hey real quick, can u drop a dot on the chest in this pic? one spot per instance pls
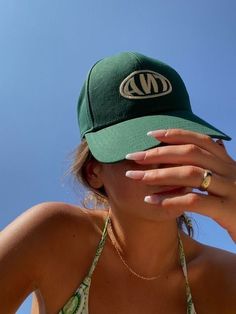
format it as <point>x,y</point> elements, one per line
<point>110,293</point>
<point>114,291</point>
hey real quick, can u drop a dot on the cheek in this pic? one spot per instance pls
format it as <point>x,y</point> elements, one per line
<point>121,189</point>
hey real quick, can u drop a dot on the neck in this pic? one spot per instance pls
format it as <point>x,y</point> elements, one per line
<point>149,248</point>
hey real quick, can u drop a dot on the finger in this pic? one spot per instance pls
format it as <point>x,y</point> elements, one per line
<point>188,154</point>
<point>180,136</point>
<point>207,205</point>
<point>221,143</point>
<point>184,176</point>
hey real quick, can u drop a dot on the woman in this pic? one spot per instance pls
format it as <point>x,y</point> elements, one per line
<point>134,256</point>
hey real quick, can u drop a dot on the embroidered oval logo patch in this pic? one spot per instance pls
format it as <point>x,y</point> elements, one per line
<point>145,84</point>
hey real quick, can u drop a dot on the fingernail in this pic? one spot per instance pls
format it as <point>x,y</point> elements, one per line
<point>136,156</point>
<point>157,133</point>
<point>136,174</point>
<point>153,199</point>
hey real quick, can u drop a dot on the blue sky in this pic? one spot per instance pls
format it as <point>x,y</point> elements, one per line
<point>46,50</point>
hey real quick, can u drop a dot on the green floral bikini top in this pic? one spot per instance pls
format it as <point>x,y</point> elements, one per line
<point>78,303</point>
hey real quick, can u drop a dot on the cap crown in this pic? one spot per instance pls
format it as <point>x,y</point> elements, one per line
<point>126,86</point>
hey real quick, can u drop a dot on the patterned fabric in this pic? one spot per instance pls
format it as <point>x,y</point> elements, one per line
<point>190,305</point>
<point>78,303</point>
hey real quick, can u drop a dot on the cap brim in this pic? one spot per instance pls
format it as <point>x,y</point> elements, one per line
<point>113,143</point>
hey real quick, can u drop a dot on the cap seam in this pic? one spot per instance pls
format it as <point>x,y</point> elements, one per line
<point>137,59</point>
<point>88,94</point>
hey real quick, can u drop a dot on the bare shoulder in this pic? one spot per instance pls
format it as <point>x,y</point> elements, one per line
<point>25,245</point>
<point>51,215</point>
<point>212,274</point>
<point>64,217</point>
<point>69,228</point>
<point>71,236</point>
<point>40,223</point>
<point>38,248</point>
<point>58,222</point>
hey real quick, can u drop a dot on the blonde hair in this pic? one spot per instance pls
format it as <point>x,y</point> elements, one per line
<point>98,198</point>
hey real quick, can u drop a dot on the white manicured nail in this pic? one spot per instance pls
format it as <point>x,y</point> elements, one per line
<point>135,174</point>
<point>157,133</point>
<point>136,156</point>
<point>152,199</point>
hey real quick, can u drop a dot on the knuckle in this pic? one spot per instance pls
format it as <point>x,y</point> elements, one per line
<point>149,176</point>
<point>151,153</point>
<point>207,139</point>
<point>154,152</point>
<point>192,149</point>
<point>192,199</point>
<point>174,132</point>
<point>192,171</point>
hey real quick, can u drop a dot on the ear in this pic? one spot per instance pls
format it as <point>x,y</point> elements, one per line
<point>93,173</point>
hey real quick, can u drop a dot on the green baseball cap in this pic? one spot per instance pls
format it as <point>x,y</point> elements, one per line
<point>127,95</point>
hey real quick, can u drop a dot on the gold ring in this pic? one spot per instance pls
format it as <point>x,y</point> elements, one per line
<point>206,180</point>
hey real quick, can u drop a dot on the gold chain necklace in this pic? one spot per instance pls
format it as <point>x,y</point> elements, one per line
<point>114,242</point>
